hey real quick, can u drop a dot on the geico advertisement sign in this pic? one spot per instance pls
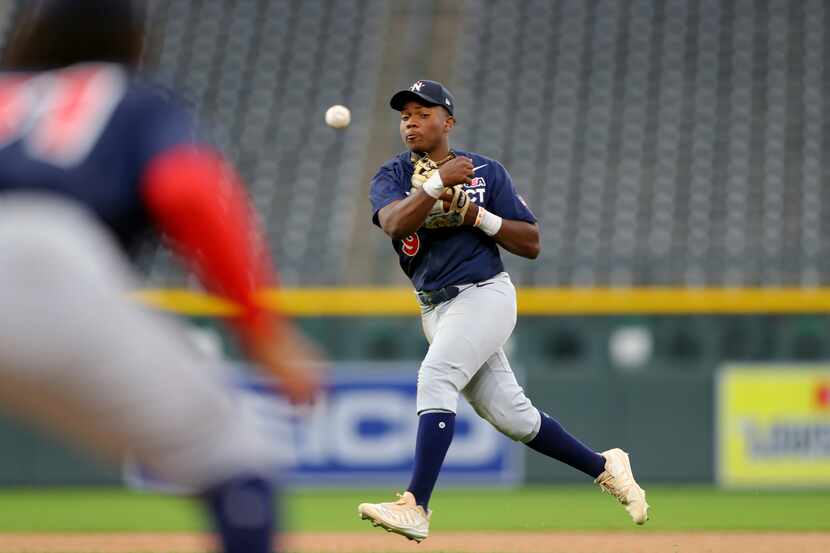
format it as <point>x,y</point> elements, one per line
<point>363,426</point>
<point>363,431</point>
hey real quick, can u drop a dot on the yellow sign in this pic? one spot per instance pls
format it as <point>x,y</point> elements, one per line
<point>774,426</point>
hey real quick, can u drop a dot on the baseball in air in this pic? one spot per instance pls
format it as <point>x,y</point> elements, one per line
<point>338,116</point>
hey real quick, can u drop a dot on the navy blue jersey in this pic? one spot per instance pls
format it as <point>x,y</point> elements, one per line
<point>434,258</point>
<point>87,133</point>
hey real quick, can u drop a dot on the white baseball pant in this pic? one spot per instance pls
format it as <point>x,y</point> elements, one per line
<point>77,356</point>
<point>466,355</point>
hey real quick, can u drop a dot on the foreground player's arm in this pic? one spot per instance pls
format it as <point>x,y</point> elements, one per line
<point>400,218</point>
<point>198,201</point>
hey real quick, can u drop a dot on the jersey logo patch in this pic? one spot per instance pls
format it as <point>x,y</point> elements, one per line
<point>476,190</point>
<point>411,245</point>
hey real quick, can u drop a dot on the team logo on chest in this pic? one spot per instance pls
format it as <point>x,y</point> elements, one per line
<point>411,245</point>
<point>476,189</point>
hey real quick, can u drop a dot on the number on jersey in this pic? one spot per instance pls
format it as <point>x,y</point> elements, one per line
<point>59,115</point>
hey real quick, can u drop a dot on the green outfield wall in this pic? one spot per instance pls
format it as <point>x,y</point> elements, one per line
<point>642,382</point>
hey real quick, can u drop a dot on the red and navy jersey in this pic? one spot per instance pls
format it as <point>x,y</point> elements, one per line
<point>435,258</point>
<point>128,152</point>
<point>88,133</point>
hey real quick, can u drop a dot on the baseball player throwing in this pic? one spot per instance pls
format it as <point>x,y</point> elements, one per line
<point>447,212</point>
<point>92,162</point>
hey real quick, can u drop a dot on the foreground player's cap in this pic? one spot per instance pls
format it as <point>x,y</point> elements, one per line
<point>429,92</point>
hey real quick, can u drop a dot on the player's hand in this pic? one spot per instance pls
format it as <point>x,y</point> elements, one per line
<point>292,360</point>
<point>458,170</point>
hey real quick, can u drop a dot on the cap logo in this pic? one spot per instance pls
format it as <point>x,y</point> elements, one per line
<point>417,86</point>
<point>447,101</point>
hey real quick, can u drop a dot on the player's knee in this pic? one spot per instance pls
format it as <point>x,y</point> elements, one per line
<point>519,420</point>
<point>438,388</point>
<point>533,422</point>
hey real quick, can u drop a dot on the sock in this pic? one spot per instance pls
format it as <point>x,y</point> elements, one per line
<point>435,432</point>
<point>243,514</point>
<point>554,441</point>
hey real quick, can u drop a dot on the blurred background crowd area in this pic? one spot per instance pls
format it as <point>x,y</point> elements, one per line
<point>659,142</point>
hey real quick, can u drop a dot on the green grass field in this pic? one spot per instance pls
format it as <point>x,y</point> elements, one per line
<point>529,509</point>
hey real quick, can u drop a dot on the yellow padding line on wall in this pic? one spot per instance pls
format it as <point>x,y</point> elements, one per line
<point>324,302</point>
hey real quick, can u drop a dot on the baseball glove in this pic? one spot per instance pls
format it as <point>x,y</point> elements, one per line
<point>449,210</point>
<point>424,167</point>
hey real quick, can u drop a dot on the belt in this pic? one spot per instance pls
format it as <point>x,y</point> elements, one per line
<point>434,297</point>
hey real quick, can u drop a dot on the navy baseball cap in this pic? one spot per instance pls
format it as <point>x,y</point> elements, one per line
<point>431,93</point>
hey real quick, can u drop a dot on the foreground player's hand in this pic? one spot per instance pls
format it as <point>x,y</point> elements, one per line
<point>293,361</point>
<point>458,170</point>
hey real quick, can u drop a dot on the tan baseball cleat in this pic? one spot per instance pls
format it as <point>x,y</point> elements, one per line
<point>404,517</point>
<point>618,480</point>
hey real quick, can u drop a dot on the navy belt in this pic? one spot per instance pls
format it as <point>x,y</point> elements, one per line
<point>434,297</point>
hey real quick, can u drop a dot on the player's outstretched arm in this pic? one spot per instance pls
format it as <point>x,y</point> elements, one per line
<point>198,201</point>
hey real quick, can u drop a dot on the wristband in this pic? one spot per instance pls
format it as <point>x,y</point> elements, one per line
<point>434,186</point>
<point>489,223</point>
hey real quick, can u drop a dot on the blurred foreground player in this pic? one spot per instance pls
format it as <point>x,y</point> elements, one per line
<point>91,163</point>
<point>447,212</point>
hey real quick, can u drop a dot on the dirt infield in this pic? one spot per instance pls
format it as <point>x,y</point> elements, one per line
<point>450,542</point>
